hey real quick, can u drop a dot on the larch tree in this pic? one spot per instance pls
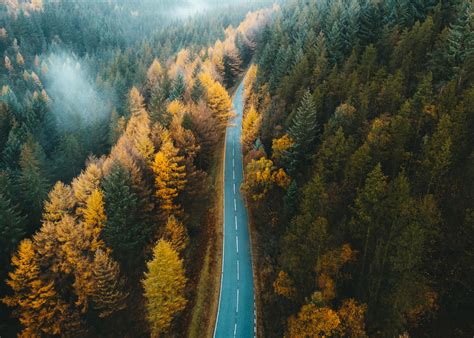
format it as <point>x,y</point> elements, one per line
<point>164,284</point>
<point>154,73</point>
<point>250,128</point>
<point>218,100</point>
<point>170,175</point>
<point>94,217</point>
<point>107,289</point>
<point>35,300</point>
<point>176,234</point>
<point>85,184</point>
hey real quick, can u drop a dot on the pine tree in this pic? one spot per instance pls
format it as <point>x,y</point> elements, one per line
<point>164,285</point>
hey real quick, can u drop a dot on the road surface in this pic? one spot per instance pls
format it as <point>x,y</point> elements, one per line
<point>236,312</point>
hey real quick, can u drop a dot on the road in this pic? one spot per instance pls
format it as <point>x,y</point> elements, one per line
<point>236,312</point>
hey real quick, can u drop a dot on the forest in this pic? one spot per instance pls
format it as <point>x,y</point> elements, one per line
<point>358,156</point>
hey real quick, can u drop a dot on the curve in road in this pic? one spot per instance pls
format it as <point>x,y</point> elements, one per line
<point>236,315</point>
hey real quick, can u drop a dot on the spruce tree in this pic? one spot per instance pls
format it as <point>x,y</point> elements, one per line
<point>304,132</point>
<point>124,231</point>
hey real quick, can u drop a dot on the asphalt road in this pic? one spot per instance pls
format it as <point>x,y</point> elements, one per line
<point>236,312</point>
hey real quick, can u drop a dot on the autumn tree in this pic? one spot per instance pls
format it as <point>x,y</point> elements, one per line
<point>250,128</point>
<point>260,176</point>
<point>35,300</point>
<point>170,176</point>
<point>218,100</point>
<point>107,285</point>
<point>176,234</point>
<point>164,284</point>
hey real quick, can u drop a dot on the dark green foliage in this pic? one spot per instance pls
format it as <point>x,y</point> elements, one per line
<point>178,89</point>
<point>125,231</point>
<point>304,132</point>
<point>197,91</point>
<point>389,172</point>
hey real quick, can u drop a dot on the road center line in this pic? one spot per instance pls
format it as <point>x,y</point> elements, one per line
<point>235,219</point>
<point>238,270</point>
<point>237,308</point>
<point>237,243</point>
<point>234,188</point>
<point>235,205</point>
<point>233,163</point>
<point>233,174</point>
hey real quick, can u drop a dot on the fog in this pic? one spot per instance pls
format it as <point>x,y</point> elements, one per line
<point>192,8</point>
<point>76,100</point>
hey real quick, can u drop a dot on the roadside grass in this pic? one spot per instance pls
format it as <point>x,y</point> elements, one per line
<point>203,314</point>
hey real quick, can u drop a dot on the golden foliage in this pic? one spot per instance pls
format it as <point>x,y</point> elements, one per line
<point>60,202</point>
<point>154,73</point>
<point>352,319</point>
<point>164,285</point>
<point>175,107</point>
<point>85,184</point>
<point>170,176</point>
<point>218,100</point>
<point>283,285</point>
<point>176,234</point>
<point>95,218</point>
<point>250,128</point>
<point>261,176</point>
<point>313,322</point>
<point>35,300</point>
<point>280,146</point>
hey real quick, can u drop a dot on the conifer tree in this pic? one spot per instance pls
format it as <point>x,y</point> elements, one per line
<point>33,179</point>
<point>176,234</point>
<point>60,202</point>
<point>107,285</point>
<point>250,128</point>
<point>170,175</point>
<point>125,230</point>
<point>35,300</point>
<point>179,87</point>
<point>304,132</point>
<point>164,284</point>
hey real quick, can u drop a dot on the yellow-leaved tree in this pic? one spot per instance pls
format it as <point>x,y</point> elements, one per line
<point>164,285</point>
<point>170,175</point>
<point>250,128</point>
<point>218,101</point>
<point>36,303</point>
<point>260,176</point>
<point>176,234</point>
